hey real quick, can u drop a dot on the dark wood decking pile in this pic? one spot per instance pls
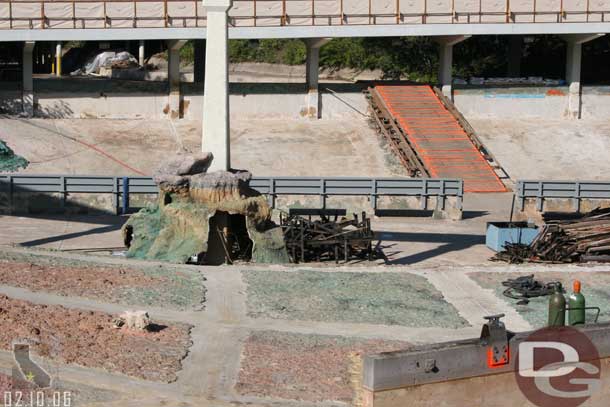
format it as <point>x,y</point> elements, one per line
<point>566,241</point>
<point>324,239</point>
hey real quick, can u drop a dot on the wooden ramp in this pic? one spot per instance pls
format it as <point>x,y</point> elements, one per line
<point>439,146</point>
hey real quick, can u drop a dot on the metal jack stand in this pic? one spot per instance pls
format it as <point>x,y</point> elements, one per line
<point>495,336</point>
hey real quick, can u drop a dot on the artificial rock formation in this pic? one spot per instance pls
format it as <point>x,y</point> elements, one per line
<point>138,320</point>
<point>177,228</point>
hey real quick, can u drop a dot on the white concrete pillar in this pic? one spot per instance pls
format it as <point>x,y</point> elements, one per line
<point>173,76</point>
<point>58,56</point>
<point>573,65</point>
<point>445,67</point>
<point>28,81</point>
<point>216,131</point>
<point>312,77</point>
<point>141,53</point>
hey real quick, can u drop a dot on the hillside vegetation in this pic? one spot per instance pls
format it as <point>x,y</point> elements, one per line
<point>416,58</point>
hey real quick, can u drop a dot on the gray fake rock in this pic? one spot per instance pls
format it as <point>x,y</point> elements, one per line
<point>185,164</point>
<point>172,183</point>
<point>173,174</point>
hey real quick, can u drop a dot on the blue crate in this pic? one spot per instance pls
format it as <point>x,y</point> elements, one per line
<point>500,233</point>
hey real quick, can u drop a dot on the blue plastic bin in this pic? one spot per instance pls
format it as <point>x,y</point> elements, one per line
<point>500,233</point>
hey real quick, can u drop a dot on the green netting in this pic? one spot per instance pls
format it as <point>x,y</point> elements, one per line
<point>268,247</point>
<point>9,161</point>
<point>173,233</point>
<point>179,230</point>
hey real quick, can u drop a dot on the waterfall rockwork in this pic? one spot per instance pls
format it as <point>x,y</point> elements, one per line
<point>177,227</point>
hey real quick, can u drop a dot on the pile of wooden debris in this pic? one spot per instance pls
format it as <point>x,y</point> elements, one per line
<point>324,239</point>
<point>583,239</point>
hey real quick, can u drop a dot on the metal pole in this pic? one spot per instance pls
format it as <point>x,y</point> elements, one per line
<point>125,195</point>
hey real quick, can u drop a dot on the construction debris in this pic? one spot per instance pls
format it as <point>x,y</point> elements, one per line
<point>107,60</point>
<point>582,239</point>
<point>324,239</point>
<point>525,287</point>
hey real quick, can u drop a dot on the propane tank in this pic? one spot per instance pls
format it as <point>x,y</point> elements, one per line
<point>557,307</point>
<point>576,306</point>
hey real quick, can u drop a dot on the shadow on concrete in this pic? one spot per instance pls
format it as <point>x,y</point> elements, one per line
<point>25,202</point>
<point>113,223</point>
<point>421,213</point>
<point>57,110</point>
<point>36,205</point>
<point>449,243</point>
<point>403,213</point>
<point>278,88</point>
<point>474,214</point>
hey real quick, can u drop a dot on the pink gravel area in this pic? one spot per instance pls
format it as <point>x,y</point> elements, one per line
<point>90,339</point>
<point>310,368</point>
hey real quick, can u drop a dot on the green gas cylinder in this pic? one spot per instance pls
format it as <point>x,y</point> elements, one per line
<point>576,306</point>
<point>557,307</point>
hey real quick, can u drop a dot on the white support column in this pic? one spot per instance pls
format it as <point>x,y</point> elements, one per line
<point>216,131</point>
<point>141,53</point>
<point>173,76</point>
<point>445,74</point>
<point>58,56</point>
<point>312,76</point>
<point>28,81</point>
<point>573,65</point>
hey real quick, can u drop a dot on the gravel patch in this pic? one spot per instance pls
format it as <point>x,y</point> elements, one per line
<point>595,287</point>
<point>374,298</point>
<point>158,286</point>
<point>305,367</point>
<point>6,383</point>
<point>89,339</point>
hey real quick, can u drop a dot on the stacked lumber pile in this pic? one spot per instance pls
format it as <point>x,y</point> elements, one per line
<point>324,239</point>
<point>566,241</point>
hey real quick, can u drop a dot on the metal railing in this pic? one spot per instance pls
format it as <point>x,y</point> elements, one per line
<point>122,187</point>
<point>573,190</point>
<point>371,187</point>
<point>83,14</point>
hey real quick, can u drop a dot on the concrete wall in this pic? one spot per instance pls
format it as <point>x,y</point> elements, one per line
<point>530,211</point>
<point>547,102</point>
<point>86,98</point>
<point>494,390</point>
<point>458,373</point>
<point>77,98</point>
